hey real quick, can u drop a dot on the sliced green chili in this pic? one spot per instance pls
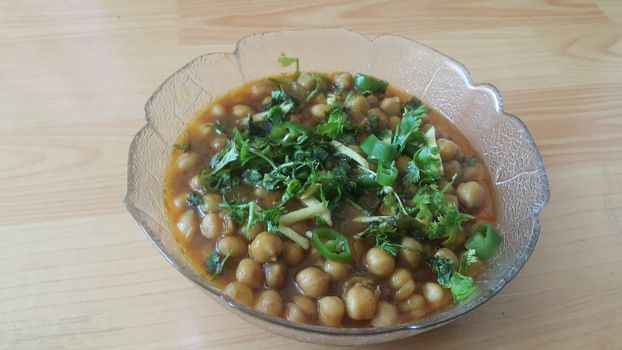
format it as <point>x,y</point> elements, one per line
<point>485,241</point>
<point>377,150</point>
<point>331,244</point>
<point>364,82</point>
<point>295,131</point>
<point>386,174</point>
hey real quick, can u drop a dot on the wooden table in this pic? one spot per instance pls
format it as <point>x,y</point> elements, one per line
<point>76,272</point>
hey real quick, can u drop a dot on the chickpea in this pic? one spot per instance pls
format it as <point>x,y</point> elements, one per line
<point>402,164</point>
<point>386,315</point>
<point>360,303</point>
<point>276,275</point>
<point>461,237</point>
<point>373,100</point>
<point>292,253</point>
<point>218,143</point>
<point>385,210</point>
<point>179,201</point>
<point>301,310</point>
<point>403,283</point>
<point>268,199</point>
<point>452,198</point>
<point>343,80</point>
<point>410,189</point>
<point>211,203</point>
<point>448,254</point>
<point>447,149</point>
<point>229,227</point>
<point>391,105</point>
<point>262,88</point>
<point>331,311</point>
<point>211,226</point>
<point>379,262</point>
<point>459,156</point>
<point>242,111</point>
<point>306,80</point>
<point>270,302</point>
<point>473,172</point>
<point>394,121</point>
<point>318,111</point>
<point>358,250</point>
<point>471,194</point>
<point>187,160</point>
<point>452,168</point>
<point>239,292</point>
<point>297,118</point>
<point>187,223</point>
<point>218,111</point>
<point>358,104</point>
<point>336,271</point>
<point>234,245</point>
<point>196,185</point>
<point>357,149</point>
<point>265,247</point>
<point>313,282</point>
<point>320,98</point>
<point>412,304</point>
<point>434,294</point>
<point>378,113</point>
<point>250,273</point>
<point>254,230</point>
<point>206,129</point>
<point>411,255</point>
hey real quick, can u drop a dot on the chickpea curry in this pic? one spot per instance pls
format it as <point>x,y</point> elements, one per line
<point>331,199</point>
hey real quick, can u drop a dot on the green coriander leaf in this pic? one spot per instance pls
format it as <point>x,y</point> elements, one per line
<point>285,61</point>
<point>316,90</point>
<point>214,264</point>
<point>194,199</point>
<point>220,128</point>
<point>443,269</point>
<point>462,287</point>
<point>336,123</point>
<point>237,209</point>
<point>409,127</point>
<point>294,188</point>
<point>269,217</point>
<point>224,157</point>
<point>413,174</point>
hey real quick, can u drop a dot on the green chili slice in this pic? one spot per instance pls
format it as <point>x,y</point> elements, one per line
<point>293,130</point>
<point>386,174</point>
<point>377,150</point>
<point>331,244</point>
<point>485,241</point>
<point>364,82</point>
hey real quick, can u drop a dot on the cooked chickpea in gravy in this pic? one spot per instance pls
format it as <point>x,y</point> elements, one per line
<point>332,199</point>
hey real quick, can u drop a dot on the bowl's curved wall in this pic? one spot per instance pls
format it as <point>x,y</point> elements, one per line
<point>503,141</point>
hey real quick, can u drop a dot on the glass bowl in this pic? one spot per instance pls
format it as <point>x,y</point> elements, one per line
<point>502,140</point>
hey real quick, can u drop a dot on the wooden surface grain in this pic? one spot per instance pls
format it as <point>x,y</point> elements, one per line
<point>76,272</point>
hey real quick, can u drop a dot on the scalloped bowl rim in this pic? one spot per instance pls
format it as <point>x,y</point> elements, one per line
<point>421,325</point>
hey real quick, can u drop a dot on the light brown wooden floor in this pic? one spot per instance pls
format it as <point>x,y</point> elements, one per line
<point>76,272</point>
